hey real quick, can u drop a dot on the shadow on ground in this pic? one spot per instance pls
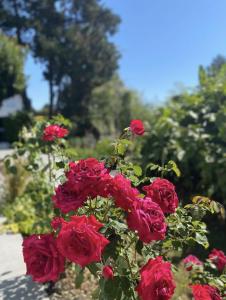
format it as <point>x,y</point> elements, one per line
<point>21,288</point>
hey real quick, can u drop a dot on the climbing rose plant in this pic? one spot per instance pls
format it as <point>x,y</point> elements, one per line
<point>123,226</point>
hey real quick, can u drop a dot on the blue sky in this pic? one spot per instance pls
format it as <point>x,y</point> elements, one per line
<point>162,43</point>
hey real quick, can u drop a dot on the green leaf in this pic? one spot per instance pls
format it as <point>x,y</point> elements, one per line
<point>137,170</point>
<point>60,164</point>
<point>202,240</point>
<point>173,166</point>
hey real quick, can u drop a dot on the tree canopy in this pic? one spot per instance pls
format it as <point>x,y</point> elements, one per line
<point>71,39</point>
<point>12,56</point>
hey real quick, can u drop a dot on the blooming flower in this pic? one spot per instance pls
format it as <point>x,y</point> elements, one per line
<point>52,132</point>
<point>191,260</point>
<point>156,281</point>
<point>89,175</point>
<point>147,218</point>
<point>79,240</point>
<point>43,260</point>
<point>218,258</point>
<point>205,292</point>
<point>137,127</point>
<point>68,198</point>
<point>163,192</point>
<point>121,190</point>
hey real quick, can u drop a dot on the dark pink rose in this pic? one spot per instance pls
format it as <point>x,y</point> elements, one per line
<point>190,261</point>
<point>137,127</point>
<point>42,258</point>
<point>52,132</point>
<point>205,292</point>
<point>218,258</point>
<point>79,240</point>
<point>121,190</point>
<point>163,192</point>
<point>156,281</point>
<point>147,219</point>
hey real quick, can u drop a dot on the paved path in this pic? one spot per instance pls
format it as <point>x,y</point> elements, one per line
<point>14,285</point>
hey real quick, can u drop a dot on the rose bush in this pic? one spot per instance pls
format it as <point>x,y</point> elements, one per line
<point>123,226</point>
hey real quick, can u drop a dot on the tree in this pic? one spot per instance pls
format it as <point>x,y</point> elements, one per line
<point>113,106</point>
<point>14,23</point>
<point>71,39</point>
<point>90,59</point>
<point>12,56</point>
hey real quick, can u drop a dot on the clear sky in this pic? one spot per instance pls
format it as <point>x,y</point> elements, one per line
<point>162,43</point>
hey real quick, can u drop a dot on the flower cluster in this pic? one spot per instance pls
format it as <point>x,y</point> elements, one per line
<point>205,291</point>
<point>82,235</point>
<point>217,257</point>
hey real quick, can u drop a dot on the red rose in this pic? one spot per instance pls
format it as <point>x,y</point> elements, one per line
<point>137,127</point>
<point>107,272</point>
<point>44,262</point>
<point>67,198</point>
<point>80,241</point>
<point>122,192</point>
<point>89,175</point>
<point>218,258</point>
<point>163,192</point>
<point>156,280</point>
<point>52,132</point>
<point>147,218</point>
<point>190,261</point>
<point>205,292</point>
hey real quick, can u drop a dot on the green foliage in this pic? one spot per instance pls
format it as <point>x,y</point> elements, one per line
<point>71,40</point>
<point>12,56</point>
<point>32,211</point>
<point>190,130</point>
<point>14,123</point>
<point>30,175</point>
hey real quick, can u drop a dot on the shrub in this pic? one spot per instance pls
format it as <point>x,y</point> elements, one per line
<point>107,223</point>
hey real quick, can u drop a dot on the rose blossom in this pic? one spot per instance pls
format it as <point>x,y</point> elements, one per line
<point>52,132</point>
<point>137,127</point>
<point>67,198</point>
<point>80,241</point>
<point>121,190</point>
<point>147,218</point>
<point>90,175</point>
<point>218,258</point>
<point>205,292</point>
<point>43,260</point>
<point>107,272</point>
<point>156,281</point>
<point>163,192</point>
<point>191,260</point>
